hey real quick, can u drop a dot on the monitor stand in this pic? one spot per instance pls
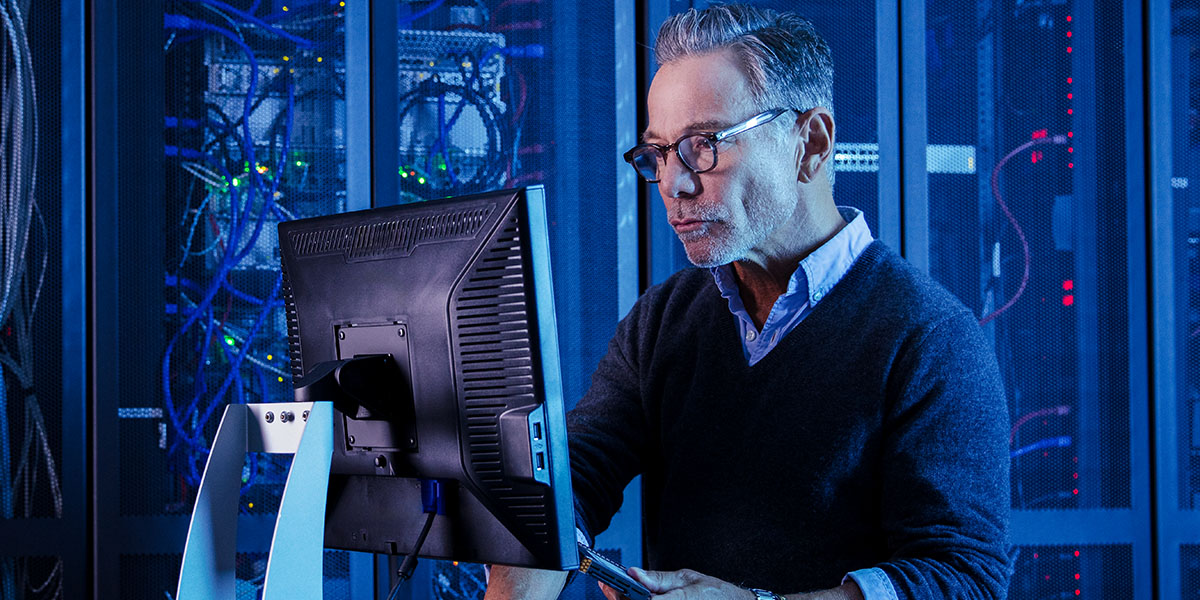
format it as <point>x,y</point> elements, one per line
<point>295,562</point>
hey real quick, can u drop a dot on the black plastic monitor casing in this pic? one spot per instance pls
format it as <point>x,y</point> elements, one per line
<point>458,294</point>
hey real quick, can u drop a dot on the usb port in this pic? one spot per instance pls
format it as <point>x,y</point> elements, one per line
<point>537,431</point>
<point>541,461</point>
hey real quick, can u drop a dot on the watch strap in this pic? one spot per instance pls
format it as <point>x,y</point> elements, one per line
<point>765,595</point>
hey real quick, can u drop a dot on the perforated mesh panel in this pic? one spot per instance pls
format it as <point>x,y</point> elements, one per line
<point>233,172</point>
<point>30,330</point>
<point>1185,183</point>
<point>1189,572</point>
<point>31,577</point>
<point>1072,572</point>
<point>1033,92</point>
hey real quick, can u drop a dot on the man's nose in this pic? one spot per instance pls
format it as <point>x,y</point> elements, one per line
<point>676,180</point>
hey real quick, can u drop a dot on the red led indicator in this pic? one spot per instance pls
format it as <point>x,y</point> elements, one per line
<point>1069,284</point>
<point>1076,592</point>
<point>1070,134</point>
<point>1068,18</point>
<point>1070,149</point>
<point>1039,134</point>
<point>1076,553</point>
<point>1075,475</point>
<point>1068,49</point>
<point>1035,555</point>
<point>1070,96</point>
<point>1047,578</point>
<point>1068,300</point>
<point>1070,165</point>
<point>1076,492</point>
<point>1077,576</point>
<point>1068,34</point>
<point>1070,80</point>
<point>1070,111</point>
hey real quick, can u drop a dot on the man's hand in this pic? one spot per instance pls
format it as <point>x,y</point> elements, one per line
<point>507,583</point>
<point>682,585</point>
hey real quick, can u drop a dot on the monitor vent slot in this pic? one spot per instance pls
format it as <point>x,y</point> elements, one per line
<point>496,370</point>
<point>397,237</point>
<point>293,325</point>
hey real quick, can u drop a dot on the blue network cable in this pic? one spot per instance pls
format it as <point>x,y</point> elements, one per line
<point>250,18</point>
<point>1054,442</point>
<point>408,19</point>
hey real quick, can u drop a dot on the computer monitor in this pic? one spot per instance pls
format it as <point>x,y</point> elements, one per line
<point>431,327</point>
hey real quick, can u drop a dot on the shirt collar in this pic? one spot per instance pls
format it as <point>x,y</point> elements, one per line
<point>819,271</point>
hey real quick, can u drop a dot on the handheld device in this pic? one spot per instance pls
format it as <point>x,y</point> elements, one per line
<point>612,574</point>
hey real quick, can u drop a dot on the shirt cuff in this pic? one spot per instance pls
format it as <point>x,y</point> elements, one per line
<point>874,583</point>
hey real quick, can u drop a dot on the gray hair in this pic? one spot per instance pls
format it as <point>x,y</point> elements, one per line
<point>786,62</point>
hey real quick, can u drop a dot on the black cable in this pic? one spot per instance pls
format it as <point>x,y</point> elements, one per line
<point>410,561</point>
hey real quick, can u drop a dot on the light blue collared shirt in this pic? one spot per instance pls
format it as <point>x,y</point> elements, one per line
<point>812,281</point>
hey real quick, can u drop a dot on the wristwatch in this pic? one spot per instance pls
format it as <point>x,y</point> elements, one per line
<point>765,595</point>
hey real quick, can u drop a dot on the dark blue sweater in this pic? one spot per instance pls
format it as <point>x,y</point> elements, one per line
<point>873,435</point>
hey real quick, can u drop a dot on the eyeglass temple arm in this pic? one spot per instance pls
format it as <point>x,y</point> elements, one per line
<point>754,121</point>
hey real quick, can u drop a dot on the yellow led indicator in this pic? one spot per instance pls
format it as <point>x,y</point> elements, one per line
<point>341,4</point>
<point>280,380</point>
<point>291,70</point>
<point>319,59</point>
<point>287,58</point>
<point>275,71</point>
<point>285,9</point>
<point>270,356</point>
<point>251,505</point>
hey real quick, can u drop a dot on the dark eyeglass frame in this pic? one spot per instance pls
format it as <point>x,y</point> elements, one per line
<point>712,137</point>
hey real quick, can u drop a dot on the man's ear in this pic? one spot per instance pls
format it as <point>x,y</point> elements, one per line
<point>817,139</point>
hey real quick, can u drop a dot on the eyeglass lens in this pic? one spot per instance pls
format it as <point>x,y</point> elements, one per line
<point>697,151</point>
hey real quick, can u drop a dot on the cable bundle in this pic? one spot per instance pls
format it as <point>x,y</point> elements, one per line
<point>19,293</point>
<point>205,305</point>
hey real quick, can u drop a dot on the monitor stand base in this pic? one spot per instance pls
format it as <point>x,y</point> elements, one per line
<point>296,559</point>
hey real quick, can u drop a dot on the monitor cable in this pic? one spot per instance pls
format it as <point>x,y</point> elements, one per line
<point>405,572</point>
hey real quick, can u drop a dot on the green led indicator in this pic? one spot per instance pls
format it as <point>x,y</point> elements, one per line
<point>299,164</point>
<point>235,183</point>
<point>421,180</point>
<point>229,340</point>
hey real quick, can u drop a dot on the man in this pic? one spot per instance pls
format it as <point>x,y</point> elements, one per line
<point>810,413</point>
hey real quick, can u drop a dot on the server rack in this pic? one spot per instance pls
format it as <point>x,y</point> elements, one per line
<point>42,451</point>
<point>214,120</point>
<point>1173,48</point>
<point>1045,241</point>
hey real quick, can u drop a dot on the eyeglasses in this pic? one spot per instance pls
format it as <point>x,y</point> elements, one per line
<point>697,151</point>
